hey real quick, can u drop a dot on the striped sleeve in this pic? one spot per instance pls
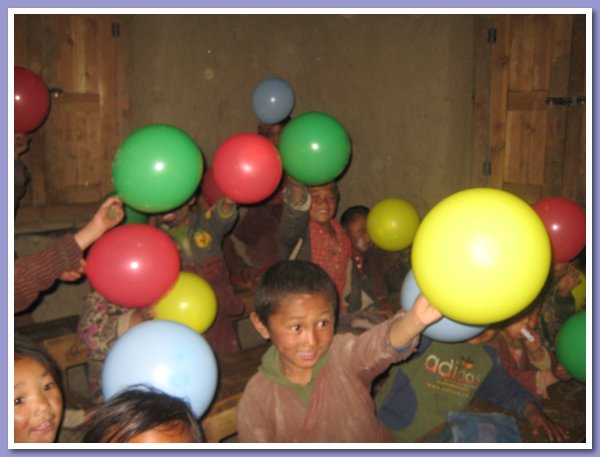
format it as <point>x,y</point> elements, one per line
<point>37,272</point>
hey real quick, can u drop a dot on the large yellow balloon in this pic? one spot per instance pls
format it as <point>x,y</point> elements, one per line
<point>191,301</point>
<point>392,224</point>
<point>481,256</point>
<point>578,291</point>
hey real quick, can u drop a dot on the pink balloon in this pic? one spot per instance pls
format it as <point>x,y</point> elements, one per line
<point>565,222</point>
<point>133,265</point>
<point>247,168</point>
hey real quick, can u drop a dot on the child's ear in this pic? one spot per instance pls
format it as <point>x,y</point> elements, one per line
<point>260,327</point>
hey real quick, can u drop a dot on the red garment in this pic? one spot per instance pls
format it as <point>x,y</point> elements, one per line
<point>331,254</point>
<point>525,372</point>
<point>222,335</point>
<point>37,272</point>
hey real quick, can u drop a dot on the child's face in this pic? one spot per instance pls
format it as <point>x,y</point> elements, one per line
<point>171,432</point>
<point>359,237</point>
<point>177,216</point>
<point>323,203</point>
<point>301,330</point>
<point>38,403</point>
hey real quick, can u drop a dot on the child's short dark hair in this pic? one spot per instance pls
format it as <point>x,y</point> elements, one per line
<point>290,277</point>
<point>334,189</point>
<point>353,213</point>
<point>26,348</point>
<point>135,411</point>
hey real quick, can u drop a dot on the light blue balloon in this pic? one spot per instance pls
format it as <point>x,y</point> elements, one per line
<point>445,330</point>
<point>167,356</point>
<point>273,100</point>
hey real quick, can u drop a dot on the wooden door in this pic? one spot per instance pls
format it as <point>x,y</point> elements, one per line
<point>83,61</point>
<point>529,105</point>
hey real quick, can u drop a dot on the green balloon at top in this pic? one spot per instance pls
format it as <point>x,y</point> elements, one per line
<point>157,168</point>
<point>314,148</point>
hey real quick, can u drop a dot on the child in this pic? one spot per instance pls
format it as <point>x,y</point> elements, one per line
<point>251,248</point>
<point>100,324</point>
<point>199,235</point>
<point>556,303</point>
<point>38,394</point>
<point>313,386</point>
<point>366,294</point>
<point>308,231</point>
<point>143,415</point>
<point>63,259</point>
<point>444,377</point>
<point>524,356</point>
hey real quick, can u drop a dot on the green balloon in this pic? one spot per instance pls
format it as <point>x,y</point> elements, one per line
<point>570,345</point>
<point>314,148</point>
<point>157,168</point>
<point>131,215</point>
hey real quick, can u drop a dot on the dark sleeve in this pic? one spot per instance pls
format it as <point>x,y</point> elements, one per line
<point>220,225</point>
<point>502,389</point>
<point>525,376</point>
<point>293,226</point>
<point>37,272</point>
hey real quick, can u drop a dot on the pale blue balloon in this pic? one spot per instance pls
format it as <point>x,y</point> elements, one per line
<point>167,356</point>
<point>273,100</point>
<point>445,330</point>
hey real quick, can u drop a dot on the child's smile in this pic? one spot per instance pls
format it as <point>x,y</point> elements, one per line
<point>302,330</point>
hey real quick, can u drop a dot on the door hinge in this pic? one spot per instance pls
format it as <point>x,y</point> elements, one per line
<point>491,35</point>
<point>116,29</point>
<point>487,167</point>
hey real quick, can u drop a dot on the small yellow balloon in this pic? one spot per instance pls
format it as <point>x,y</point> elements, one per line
<point>481,256</point>
<point>578,292</point>
<point>191,301</point>
<point>392,224</point>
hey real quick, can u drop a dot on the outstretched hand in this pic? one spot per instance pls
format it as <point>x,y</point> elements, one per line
<point>425,312</point>
<point>109,215</point>
<point>73,275</point>
<point>538,420</point>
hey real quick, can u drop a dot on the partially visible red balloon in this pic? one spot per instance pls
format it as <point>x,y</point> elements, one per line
<point>32,100</point>
<point>210,188</point>
<point>247,168</point>
<point>565,222</point>
<point>133,265</point>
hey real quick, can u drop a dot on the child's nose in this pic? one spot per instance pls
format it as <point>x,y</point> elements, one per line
<point>41,404</point>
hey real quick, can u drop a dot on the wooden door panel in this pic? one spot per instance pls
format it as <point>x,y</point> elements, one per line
<point>70,159</point>
<point>528,140</point>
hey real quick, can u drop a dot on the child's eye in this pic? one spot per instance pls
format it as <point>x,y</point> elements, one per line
<point>324,323</point>
<point>295,328</point>
<point>49,386</point>
<point>18,401</point>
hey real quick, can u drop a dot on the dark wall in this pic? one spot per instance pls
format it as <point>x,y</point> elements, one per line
<point>400,84</point>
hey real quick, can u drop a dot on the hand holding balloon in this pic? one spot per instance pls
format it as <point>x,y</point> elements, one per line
<point>444,330</point>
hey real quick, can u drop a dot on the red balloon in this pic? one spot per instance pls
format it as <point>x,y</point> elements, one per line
<point>247,168</point>
<point>210,189</point>
<point>565,222</point>
<point>133,265</point>
<point>32,100</point>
